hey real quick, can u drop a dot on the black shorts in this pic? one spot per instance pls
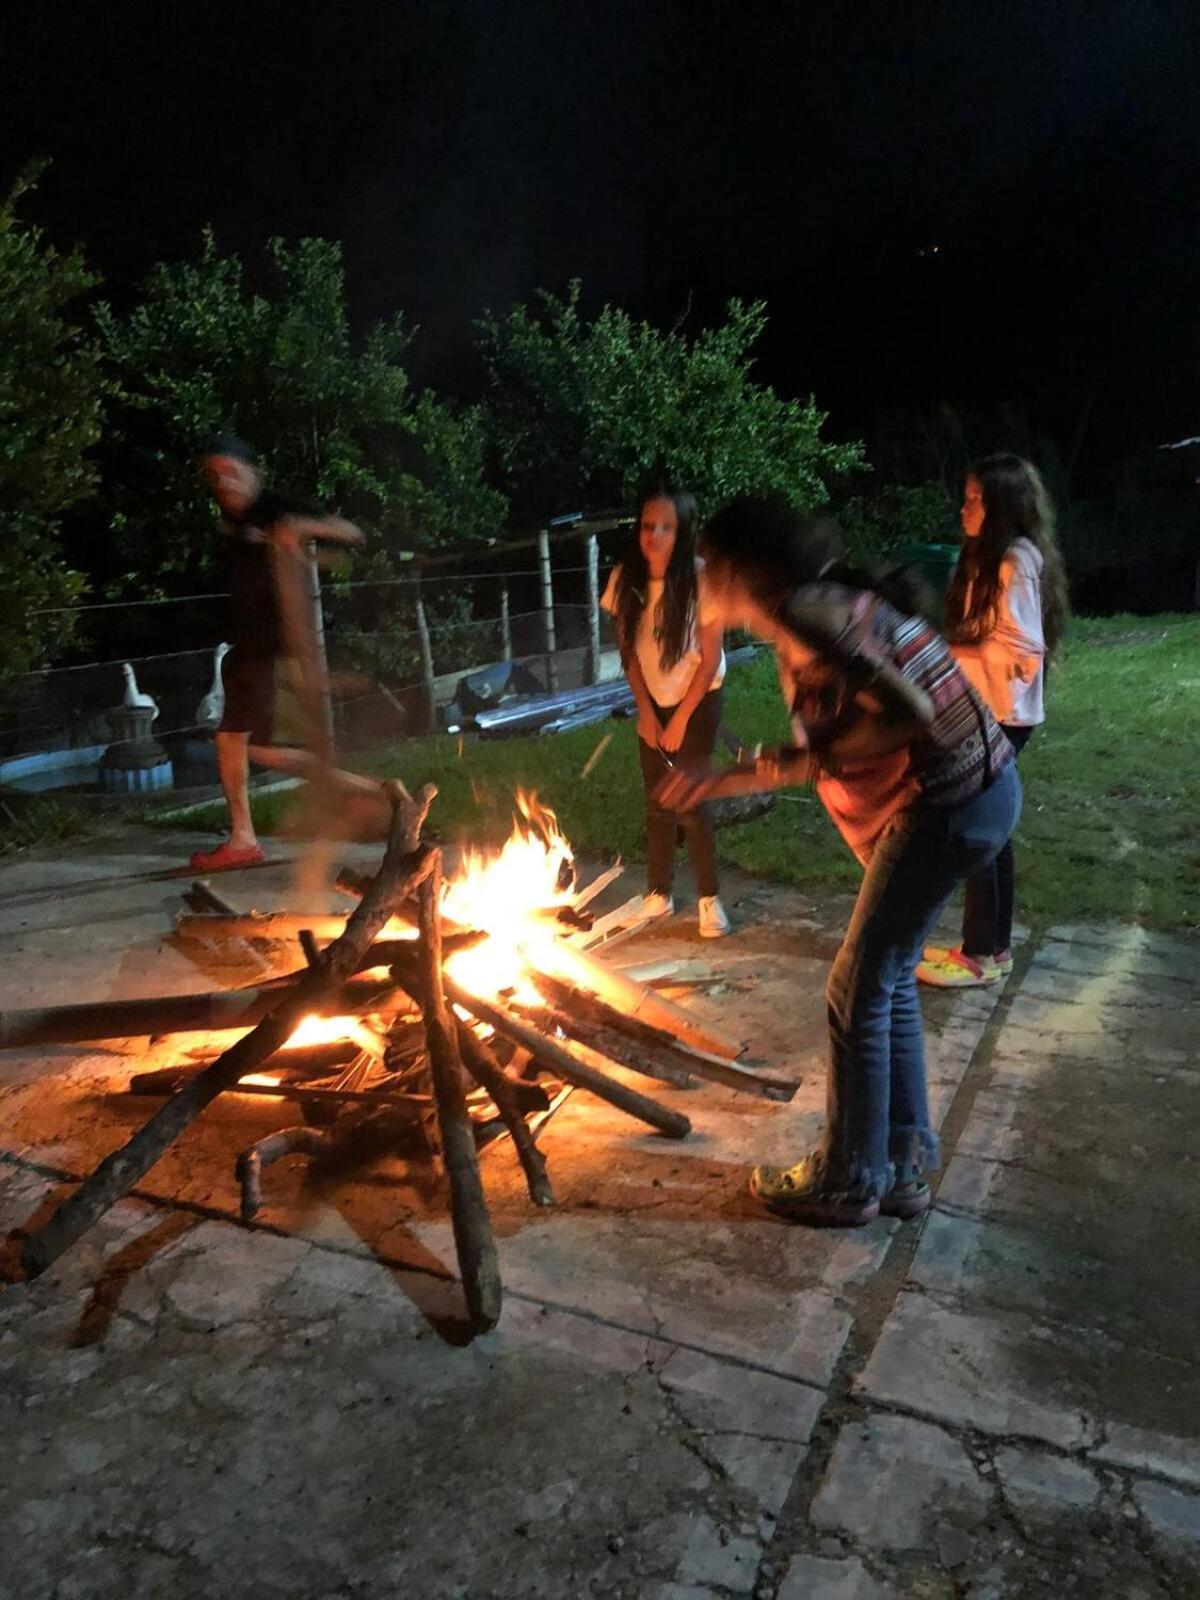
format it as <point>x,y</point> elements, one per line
<point>249,682</point>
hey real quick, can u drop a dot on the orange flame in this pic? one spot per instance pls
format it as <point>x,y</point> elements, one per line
<point>506,895</point>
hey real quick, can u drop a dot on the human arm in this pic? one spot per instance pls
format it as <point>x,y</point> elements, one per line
<point>299,527</point>
<point>779,768</point>
<point>711,638</point>
<point>648,726</point>
<point>647,719</point>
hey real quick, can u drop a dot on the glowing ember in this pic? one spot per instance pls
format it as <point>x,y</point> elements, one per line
<point>261,1080</point>
<point>506,895</point>
<point>332,1030</point>
<point>321,1030</point>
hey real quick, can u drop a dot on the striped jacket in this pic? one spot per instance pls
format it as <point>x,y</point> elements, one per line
<point>956,757</point>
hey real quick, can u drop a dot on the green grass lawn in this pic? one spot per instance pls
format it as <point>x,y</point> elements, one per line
<point>1111,827</point>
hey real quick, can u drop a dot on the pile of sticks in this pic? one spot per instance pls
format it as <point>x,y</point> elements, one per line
<point>423,1052</point>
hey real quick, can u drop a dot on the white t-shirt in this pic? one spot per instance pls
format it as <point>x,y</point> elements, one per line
<point>1008,667</point>
<point>668,685</point>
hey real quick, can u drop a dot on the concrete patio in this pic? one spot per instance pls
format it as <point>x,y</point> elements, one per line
<point>685,1399</point>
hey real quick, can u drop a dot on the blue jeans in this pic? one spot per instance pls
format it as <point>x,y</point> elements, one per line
<point>877,1122</point>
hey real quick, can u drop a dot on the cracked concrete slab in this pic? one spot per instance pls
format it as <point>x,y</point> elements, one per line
<point>684,1400</point>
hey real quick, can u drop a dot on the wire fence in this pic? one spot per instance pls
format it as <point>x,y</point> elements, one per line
<point>375,649</point>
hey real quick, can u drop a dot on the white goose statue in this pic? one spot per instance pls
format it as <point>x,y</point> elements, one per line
<point>211,709</point>
<point>134,696</point>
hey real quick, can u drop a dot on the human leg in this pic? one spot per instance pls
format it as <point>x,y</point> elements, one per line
<point>249,683</point>
<point>661,825</point>
<point>876,1100</point>
<point>696,751</point>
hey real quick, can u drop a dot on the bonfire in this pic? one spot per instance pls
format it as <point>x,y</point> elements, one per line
<point>436,1014</point>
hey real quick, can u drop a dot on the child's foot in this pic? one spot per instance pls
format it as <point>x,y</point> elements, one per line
<point>227,857</point>
<point>951,969</point>
<point>714,923</point>
<point>657,905</point>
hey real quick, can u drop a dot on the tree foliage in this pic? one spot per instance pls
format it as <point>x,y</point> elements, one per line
<point>584,412</point>
<point>51,408</point>
<point>876,523</point>
<point>202,351</point>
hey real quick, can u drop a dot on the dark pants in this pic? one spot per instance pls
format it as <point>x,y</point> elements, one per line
<point>663,827</point>
<point>877,1109</point>
<point>989,893</point>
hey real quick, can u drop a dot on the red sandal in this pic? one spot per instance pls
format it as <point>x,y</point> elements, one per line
<point>227,857</point>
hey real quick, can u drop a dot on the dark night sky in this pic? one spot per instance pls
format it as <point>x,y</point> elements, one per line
<point>671,155</point>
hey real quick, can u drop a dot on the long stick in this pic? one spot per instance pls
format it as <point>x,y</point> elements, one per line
<point>404,868</point>
<point>555,1056</point>
<point>213,1012</point>
<point>575,966</point>
<point>627,1039</point>
<point>487,1071</point>
<point>473,1238</point>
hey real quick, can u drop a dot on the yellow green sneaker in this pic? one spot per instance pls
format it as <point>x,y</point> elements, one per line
<point>1002,960</point>
<point>950,969</point>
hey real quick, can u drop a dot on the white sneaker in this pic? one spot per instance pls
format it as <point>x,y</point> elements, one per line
<point>657,905</point>
<point>714,923</point>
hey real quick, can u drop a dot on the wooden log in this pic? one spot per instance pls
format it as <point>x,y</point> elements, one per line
<point>287,1142</point>
<point>557,1058</point>
<point>622,922</point>
<point>307,1091</point>
<point>565,961</point>
<point>212,1012</point>
<point>509,1095</point>
<point>474,1243</point>
<point>300,1061</point>
<point>608,1043</point>
<point>591,1019</point>
<point>404,867</point>
<point>209,925</point>
<point>597,886</point>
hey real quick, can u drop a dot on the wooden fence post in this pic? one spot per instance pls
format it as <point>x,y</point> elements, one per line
<point>505,623</point>
<point>548,611</point>
<point>593,604</point>
<point>426,661</point>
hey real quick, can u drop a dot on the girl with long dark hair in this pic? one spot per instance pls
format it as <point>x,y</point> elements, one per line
<point>922,785</point>
<point>671,648</point>
<point>1005,615</point>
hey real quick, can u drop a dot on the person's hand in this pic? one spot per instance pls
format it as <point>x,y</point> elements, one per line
<point>648,728</point>
<point>682,790</point>
<point>673,734</point>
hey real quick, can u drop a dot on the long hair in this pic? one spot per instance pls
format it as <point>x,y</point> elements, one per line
<point>676,614</point>
<point>775,551</point>
<point>1015,506</point>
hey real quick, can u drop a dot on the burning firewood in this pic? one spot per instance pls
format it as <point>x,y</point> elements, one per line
<point>469,1214</point>
<point>555,1055</point>
<point>405,865</point>
<point>427,1014</point>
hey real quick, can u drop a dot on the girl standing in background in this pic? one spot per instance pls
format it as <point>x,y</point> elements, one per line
<point>670,641</point>
<point>1005,615</point>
